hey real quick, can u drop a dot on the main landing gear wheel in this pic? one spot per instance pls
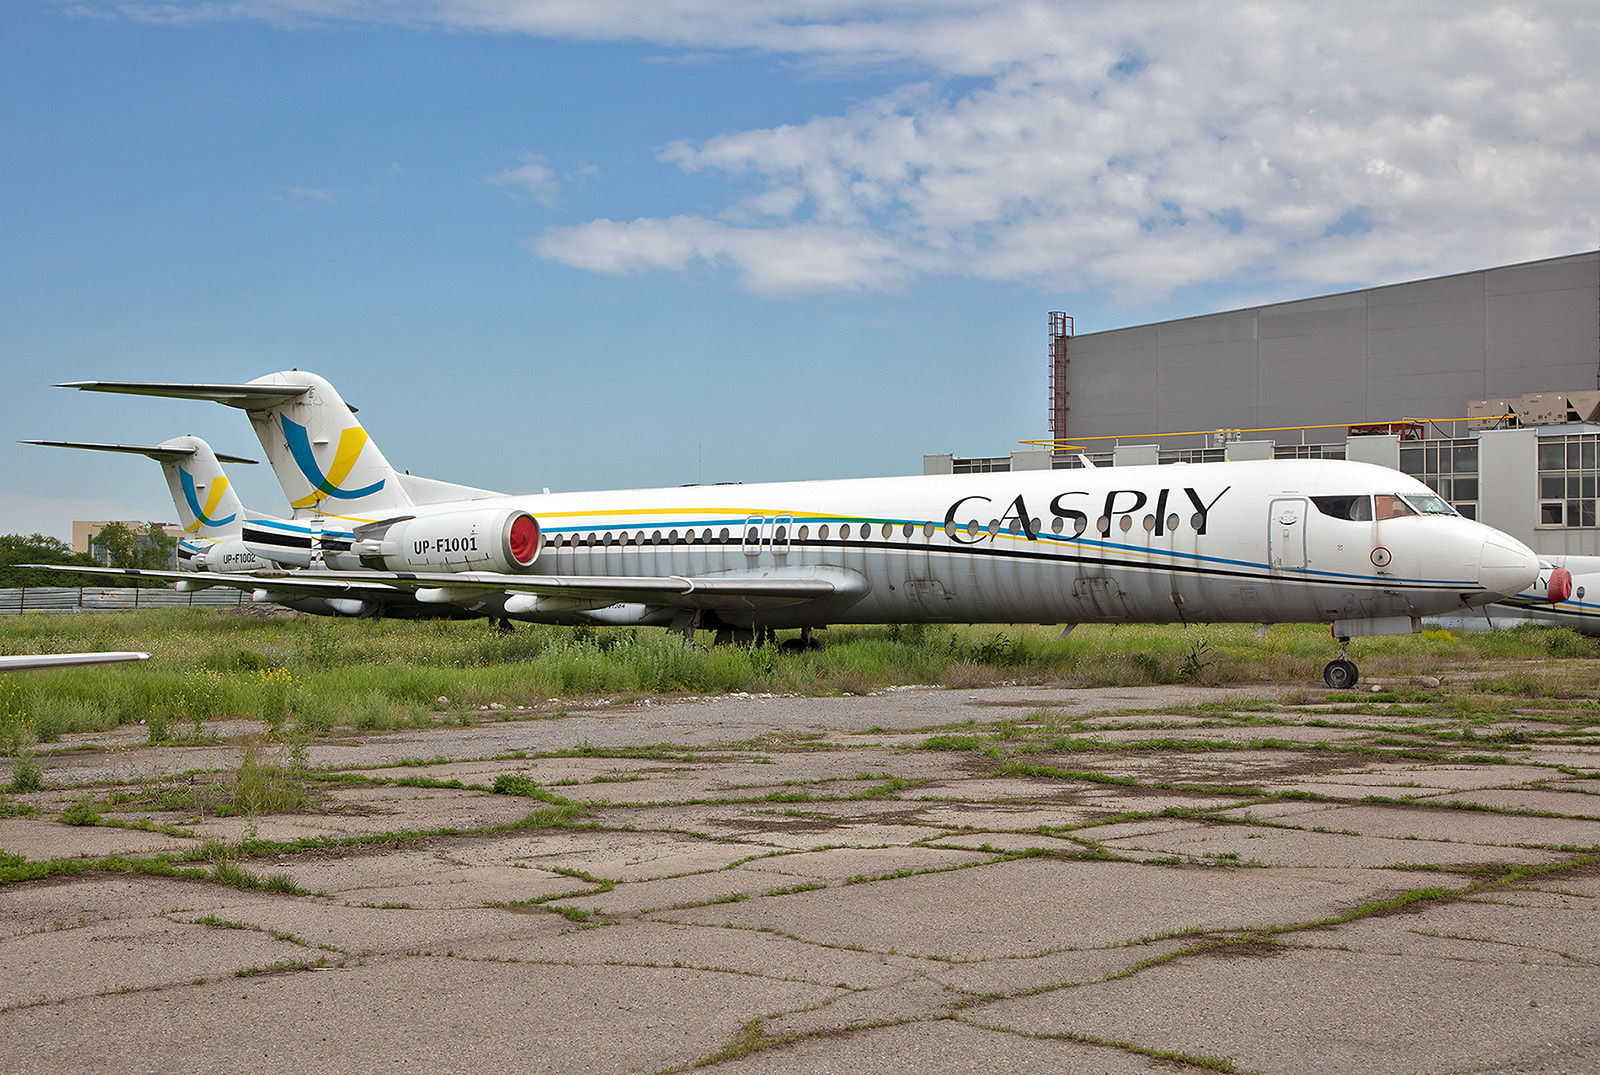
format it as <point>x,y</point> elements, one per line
<point>1341,674</point>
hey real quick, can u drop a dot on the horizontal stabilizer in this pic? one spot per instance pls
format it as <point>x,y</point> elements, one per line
<point>161,453</point>
<point>249,397</point>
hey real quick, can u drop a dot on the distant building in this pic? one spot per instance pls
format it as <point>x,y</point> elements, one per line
<point>1482,384</point>
<point>85,533</point>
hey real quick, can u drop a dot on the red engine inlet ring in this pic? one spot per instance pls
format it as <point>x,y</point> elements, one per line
<point>523,541</point>
<point>1560,585</point>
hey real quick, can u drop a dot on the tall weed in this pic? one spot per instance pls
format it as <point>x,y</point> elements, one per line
<point>313,675</point>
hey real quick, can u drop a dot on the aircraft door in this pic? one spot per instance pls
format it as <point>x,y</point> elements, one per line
<point>755,534</point>
<point>772,533</point>
<point>1286,533</point>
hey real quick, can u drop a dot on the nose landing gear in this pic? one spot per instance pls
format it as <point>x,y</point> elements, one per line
<point>1341,673</point>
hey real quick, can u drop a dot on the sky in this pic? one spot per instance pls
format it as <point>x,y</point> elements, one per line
<point>589,244</point>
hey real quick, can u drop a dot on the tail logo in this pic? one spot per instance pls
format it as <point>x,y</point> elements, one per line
<point>351,441</point>
<point>202,516</point>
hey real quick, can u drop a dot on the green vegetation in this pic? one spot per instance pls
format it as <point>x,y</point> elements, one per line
<point>146,547</point>
<point>309,676</point>
<point>41,549</point>
<point>263,787</point>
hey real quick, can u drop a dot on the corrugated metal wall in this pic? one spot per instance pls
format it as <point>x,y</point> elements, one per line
<point>1412,350</point>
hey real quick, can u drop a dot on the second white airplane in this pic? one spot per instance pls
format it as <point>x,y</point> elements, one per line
<point>1363,548</point>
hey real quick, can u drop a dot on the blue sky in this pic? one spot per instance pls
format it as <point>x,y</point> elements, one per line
<point>632,243</point>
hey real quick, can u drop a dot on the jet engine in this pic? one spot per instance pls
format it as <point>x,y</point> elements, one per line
<point>493,539</point>
<point>230,555</point>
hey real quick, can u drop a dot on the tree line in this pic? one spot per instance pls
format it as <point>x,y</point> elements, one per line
<point>147,547</point>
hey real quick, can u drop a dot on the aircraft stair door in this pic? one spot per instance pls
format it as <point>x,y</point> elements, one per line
<point>1286,534</point>
<point>757,532</point>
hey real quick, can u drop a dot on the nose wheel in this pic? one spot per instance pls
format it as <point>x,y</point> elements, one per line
<point>1341,673</point>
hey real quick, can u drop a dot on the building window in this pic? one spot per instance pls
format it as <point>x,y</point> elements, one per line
<point>989,465</point>
<point>1448,467</point>
<point>1192,455</point>
<point>1568,476</point>
<point>1308,451</point>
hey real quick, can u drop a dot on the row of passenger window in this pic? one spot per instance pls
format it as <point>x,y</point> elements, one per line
<point>781,535</point>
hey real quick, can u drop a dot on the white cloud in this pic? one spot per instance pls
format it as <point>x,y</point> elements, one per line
<point>793,259</point>
<point>954,34</point>
<point>1129,148</point>
<point>1170,147</point>
<point>533,178</point>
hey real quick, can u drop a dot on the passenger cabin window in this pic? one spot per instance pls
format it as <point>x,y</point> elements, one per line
<point>1355,508</point>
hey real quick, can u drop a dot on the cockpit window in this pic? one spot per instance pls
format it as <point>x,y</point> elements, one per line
<point>1391,506</point>
<point>1356,508</point>
<point>1429,504</point>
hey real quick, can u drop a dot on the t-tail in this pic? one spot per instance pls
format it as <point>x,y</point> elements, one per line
<point>208,508</point>
<point>322,456</point>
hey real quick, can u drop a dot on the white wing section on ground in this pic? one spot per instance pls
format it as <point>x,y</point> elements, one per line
<point>67,660</point>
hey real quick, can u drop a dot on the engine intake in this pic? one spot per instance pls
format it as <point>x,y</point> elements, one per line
<point>504,539</point>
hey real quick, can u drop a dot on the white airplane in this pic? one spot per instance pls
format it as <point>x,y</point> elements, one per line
<point>1364,548</point>
<point>208,509</point>
<point>222,536</point>
<point>67,660</point>
<point>1559,596</point>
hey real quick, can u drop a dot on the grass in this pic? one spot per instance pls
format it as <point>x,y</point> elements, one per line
<point>263,787</point>
<point>311,676</point>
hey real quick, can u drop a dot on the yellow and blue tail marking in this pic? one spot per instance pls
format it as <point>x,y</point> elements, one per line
<point>202,516</point>
<point>351,441</point>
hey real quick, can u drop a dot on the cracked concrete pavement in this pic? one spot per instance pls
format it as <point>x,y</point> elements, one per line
<point>1140,879</point>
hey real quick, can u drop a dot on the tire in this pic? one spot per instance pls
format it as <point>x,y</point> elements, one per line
<point>1341,674</point>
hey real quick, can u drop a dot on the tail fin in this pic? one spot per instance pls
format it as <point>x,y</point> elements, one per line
<point>320,453</point>
<point>207,506</point>
<point>322,456</point>
<point>205,501</point>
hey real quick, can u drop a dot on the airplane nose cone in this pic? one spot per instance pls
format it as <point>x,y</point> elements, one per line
<point>1506,566</point>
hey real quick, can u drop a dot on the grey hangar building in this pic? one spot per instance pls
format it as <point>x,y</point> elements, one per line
<point>1484,384</point>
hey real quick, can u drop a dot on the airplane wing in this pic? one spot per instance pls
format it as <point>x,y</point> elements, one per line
<point>724,592</point>
<point>159,452</point>
<point>67,660</point>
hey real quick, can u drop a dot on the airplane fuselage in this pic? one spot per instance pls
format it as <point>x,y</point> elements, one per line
<point>1187,543</point>
<point>1364,548</point>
